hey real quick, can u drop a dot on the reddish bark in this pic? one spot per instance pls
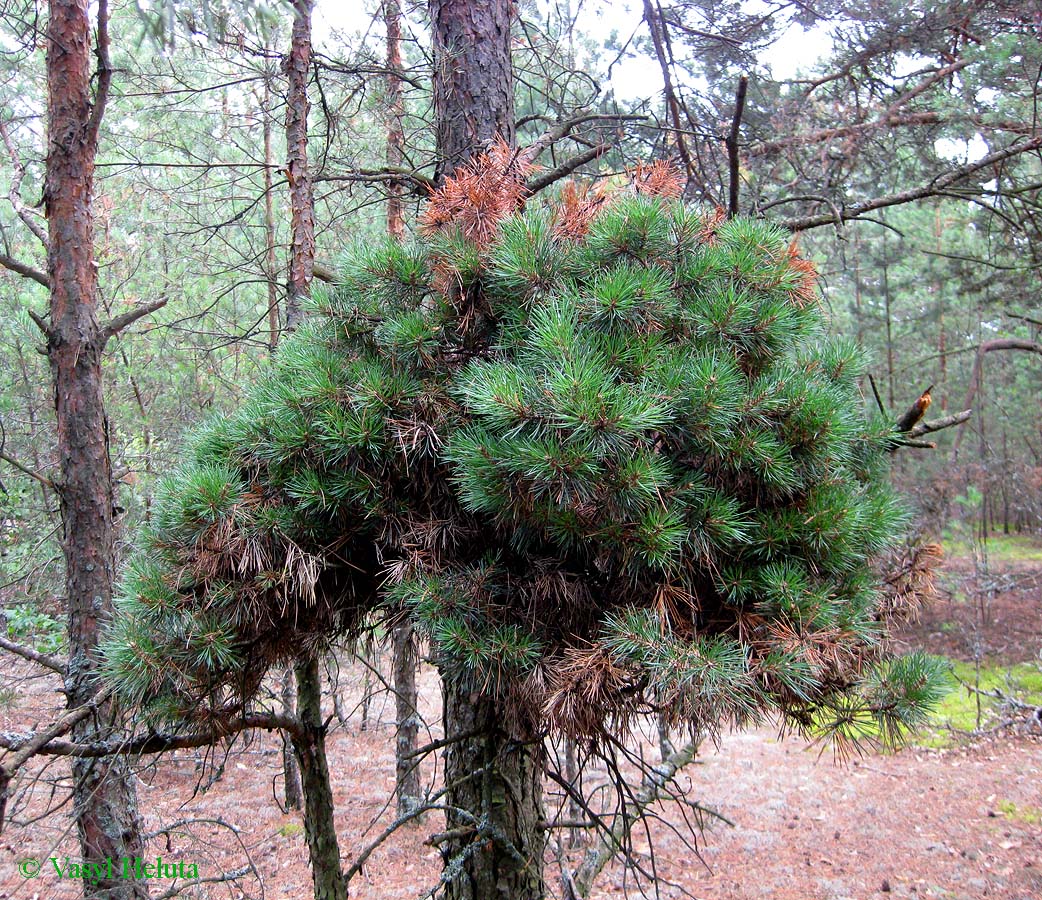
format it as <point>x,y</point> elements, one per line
<point>270,263</point>
<point>301,192</point>
<point>104,801</point>
<point>395,112</point>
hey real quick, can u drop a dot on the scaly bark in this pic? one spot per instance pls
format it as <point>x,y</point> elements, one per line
<point>104,801</point>
<point>310,747</point>
<point>407,720</point>
<point>301,192</point>
<point>270,263</point>
<point>473,79</point>
<point>395,112</point>
<point>494,843</point>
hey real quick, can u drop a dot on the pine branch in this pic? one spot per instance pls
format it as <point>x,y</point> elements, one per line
<point>48,662</point>
<point>45,744</point>
<point>26,271</point>
<point>116,325</point>
<point>534,185</point>
<point>25,470</point>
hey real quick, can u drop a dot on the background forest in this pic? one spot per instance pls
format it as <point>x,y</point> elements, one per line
<point>247,151</point>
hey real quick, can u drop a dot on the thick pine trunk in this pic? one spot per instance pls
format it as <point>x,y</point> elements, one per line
<point>310,747</point>
<point>494,843</point>
<point>104,801</point>
<point>301,194</point>
<point>473,78</point>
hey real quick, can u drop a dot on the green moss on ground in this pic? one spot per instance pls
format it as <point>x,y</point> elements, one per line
<point>957,709</point>
<point>1001,548</point>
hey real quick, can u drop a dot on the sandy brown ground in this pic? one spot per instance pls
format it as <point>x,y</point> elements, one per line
<point>957,823</point>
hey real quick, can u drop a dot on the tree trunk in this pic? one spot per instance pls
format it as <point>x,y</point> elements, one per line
<point>473,78</point>
<point>301,195</point>
<point>395,112</point>
<point>494,841</point>
<point>104,800</point>
<point>310,746</point>
<point>493,844</point>
<point>270,264</point>
<point>977,374</point>
<point>292,789</point>
<point>407,725</point>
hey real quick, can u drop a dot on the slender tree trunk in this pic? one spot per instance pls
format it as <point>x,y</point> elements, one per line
<point>576,836</point>
<point>403,641</point>
<point>301,194</point>
<point>407,725</point>
<point>942,339</point>
<point>473,78</point>
<point>495,794</point>
<point>310,747</point>
<point>292,789</point>
<point>104,801</point>
<point>395,112</point>
<point>494,848</point>
<point>270,262</point>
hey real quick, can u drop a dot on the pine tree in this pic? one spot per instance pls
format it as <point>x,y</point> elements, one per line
<point>602,454</point>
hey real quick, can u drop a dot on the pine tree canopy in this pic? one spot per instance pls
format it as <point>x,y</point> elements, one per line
<point>603,453</point>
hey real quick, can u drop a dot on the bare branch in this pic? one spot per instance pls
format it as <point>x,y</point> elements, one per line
<point>104,75</point>
<point>597,857</point>
<point>659,36</point>
<point>141,744</point>
<point>42,659</point>
<point>534,185</point>
<point>421,184</point>
<point>183,886</point>
<point>560,130</point>
<point>978,367</point>
<point>116,325</point>
<point>25,470</point>
<point>14,193</point>
<point>35,743</point>
<point>41,322</point>
<point>940,424</point>
<point>731,143</point>
<point>24,270</point>
<point>932,188</point>
<point>324,273</point>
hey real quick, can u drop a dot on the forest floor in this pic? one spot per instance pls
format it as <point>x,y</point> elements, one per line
<point>947,817</point>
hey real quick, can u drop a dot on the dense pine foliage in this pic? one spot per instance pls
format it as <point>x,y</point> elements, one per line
<point>604,454</point>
